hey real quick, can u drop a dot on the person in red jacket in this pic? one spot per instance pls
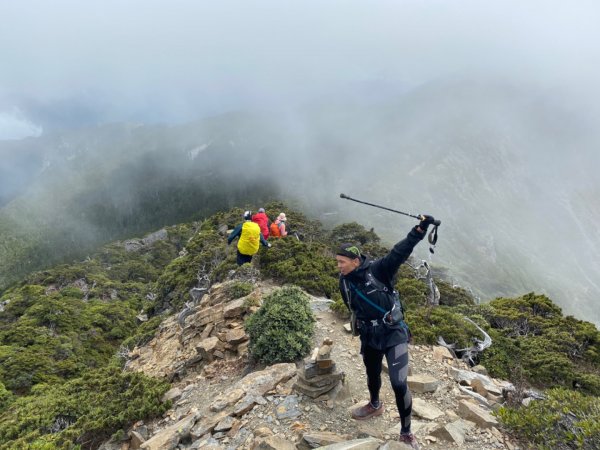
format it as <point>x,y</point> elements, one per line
<point>262,220</point>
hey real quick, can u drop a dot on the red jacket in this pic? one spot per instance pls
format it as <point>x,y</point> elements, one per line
<point>263,222</point>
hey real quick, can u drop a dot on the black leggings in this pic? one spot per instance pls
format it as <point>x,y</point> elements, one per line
<point>243,259</point>
<point>397,359</point>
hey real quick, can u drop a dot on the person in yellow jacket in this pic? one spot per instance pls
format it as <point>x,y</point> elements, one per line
<point>250,239</point>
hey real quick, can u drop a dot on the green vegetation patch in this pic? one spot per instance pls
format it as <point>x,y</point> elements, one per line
<point>239,289</point>
<point>426,324</point>
<point>354,233</point>
<point>58,337</point>
<point>552,349</point>
<point>564,420</point>
<point>82,412</point>
<point>206,251</point>
<point>453,296</point>
<point>308,265</point>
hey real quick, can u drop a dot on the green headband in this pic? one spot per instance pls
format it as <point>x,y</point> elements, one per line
<point>349,250</point>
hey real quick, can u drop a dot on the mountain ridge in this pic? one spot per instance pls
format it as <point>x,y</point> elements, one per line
<point>67,332</point>
<point>514,201</point>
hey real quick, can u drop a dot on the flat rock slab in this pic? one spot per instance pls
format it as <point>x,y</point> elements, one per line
<point>168,438</point>
<point>425,409</point>
<point>321,439</point>
<point>357,444</point>
<point>422,383</point>
<point>274,443</point>
<point>454,432</point>
<point>474,413</point>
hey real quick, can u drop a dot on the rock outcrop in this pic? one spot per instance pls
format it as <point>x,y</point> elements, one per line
<point>290,406</point>
<point>213,330</point>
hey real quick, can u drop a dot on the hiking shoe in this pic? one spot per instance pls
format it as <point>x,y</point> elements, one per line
<point>367,411</point>
<point>410,439</point>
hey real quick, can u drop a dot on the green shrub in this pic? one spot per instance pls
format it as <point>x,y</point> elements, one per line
<point>144,333</point>
<point>230,218</point>
<point>6,397</point>
<point>206,251</point>
<point>553,350</point>
<point>501,358</point>
<point>20,299</point>
<point>339,307</point>
<point>58,337</point>
<point>282,328</point>
<point>453,296</point>
<point>251,301</point>
<point>426,324</point>
<point>308,265</point>
<point>564,420</point>
<point>225,267</point>
<point>413,292</point>
<point>134,271</point>
<point>239,289</point>
<point>589,382</point>
<point>354,233</point>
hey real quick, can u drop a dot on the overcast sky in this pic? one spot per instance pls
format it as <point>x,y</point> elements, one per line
<point>70,63</point>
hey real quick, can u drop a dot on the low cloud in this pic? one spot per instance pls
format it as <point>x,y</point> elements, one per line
<point>13,125</point>
<point>151,62</point>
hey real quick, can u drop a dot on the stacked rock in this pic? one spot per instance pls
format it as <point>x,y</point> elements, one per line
<point>318,375</point>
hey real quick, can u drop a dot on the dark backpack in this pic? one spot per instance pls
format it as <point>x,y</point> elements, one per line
<point>373,287</point>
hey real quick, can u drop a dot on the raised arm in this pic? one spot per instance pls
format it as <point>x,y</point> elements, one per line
<point>235,233</point>
<point>385,268</point>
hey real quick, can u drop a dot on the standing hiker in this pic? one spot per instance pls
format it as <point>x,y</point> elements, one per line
<point>278,228</point>
<point>250,238</point>
<point>262,220</point>
<point>378,319</point>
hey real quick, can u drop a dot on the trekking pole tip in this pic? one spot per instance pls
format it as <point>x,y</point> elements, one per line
<point>343,196</point>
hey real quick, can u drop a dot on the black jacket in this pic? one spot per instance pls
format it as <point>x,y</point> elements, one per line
<point>383,269</point>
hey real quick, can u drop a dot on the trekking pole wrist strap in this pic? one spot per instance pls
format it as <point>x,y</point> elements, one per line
<point>433,235</point>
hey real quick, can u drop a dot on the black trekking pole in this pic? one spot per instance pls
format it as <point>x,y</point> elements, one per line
<point>432,238</point>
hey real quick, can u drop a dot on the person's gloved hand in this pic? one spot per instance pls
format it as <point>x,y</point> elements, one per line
<point>425,222</point>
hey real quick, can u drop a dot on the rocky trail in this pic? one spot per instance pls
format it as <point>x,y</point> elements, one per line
<point>219,402</point>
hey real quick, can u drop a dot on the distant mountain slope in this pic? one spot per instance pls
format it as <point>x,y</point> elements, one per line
<point>510,171</point>
<point>116,181</point>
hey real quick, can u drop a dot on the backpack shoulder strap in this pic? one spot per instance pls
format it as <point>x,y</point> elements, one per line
<point>383,287</point>
<point>375,282</point>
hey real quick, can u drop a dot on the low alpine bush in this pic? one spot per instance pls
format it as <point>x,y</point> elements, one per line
<point>564,420</point>
<point>282,328</point>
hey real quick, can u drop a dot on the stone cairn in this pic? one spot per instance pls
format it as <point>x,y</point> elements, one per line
<point>318,375</point>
